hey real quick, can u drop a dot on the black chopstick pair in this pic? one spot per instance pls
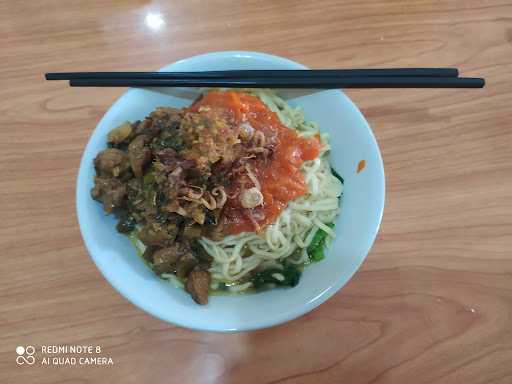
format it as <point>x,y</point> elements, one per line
<point>319,79</point>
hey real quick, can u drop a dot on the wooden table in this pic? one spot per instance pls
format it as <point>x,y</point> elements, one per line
<point>433,301</point>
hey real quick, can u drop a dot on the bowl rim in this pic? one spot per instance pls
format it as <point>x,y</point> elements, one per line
<point>284,317</point>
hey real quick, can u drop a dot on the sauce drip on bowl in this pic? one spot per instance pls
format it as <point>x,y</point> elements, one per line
<point>278,174</point>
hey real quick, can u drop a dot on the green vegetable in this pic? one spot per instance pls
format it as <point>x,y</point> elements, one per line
<point>151,197</point>
<point>150,194</point>
<point>316,247</point>
<point>337,175</point>
<point>174,142</point>
<point>126,224</point>
<point>317,254</point>
<point>290,272</point>
<point>149,177</point>
<point>222,287</point>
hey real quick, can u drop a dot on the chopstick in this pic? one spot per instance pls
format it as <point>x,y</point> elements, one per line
<point>319,79</point>
<point>290,82</point>
<point>300,73</point>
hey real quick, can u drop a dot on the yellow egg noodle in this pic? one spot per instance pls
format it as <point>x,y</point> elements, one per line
<point>295,228</point>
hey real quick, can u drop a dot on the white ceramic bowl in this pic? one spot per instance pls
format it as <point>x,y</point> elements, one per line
<point>363,202</point>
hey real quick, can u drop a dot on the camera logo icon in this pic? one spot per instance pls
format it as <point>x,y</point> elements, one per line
<point>25,355</point>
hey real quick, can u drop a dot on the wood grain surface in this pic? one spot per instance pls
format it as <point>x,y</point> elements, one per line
<point>433,301</point>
